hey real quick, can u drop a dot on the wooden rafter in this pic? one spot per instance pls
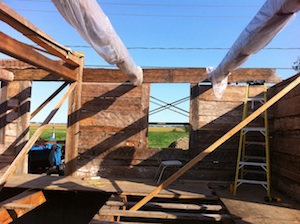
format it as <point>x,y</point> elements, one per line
<point>36,35</point>
<point>216,144</point>
<point>25,53</point>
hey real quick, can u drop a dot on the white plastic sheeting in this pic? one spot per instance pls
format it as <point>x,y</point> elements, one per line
<point>87,17</point>
<point>270,19</point>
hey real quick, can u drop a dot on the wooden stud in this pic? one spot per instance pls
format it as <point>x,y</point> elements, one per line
<point>216,144</point>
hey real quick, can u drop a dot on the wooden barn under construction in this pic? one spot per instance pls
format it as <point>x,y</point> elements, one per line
<point>109,168</point>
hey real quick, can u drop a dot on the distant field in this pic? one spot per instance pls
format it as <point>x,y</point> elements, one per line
<point>158,137</point>
<point>59,129</point>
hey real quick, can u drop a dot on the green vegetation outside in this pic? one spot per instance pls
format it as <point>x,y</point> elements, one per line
<point>59,129</point>
<point>158,137</point>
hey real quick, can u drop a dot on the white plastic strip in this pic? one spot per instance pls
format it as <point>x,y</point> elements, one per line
<point>270,19</point>
<point>87,17</point>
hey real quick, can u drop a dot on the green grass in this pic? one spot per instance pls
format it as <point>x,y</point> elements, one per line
<point>164,139</point>
<point>60,131</point>
<point>158,137</point>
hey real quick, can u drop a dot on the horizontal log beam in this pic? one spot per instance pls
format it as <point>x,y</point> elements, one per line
<point>25,53</point>
<point>162,75</point>
<point>179,75</point>
<point>6,75</point>
<point>19,23</point>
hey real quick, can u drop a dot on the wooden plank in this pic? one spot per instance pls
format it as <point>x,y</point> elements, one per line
<point>48,100</point>
<point>24,202</point>
<point>25,53</point>
<point>166,215</point>
<point>12,168</point>
<point>6,76</point>
<point>5,217</point>
<point>181,206</point>
<point>216,144</point>
<point>33,33</point>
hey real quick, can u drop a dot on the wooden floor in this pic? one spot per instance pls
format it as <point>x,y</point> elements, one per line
<point>248,206</point>
<point>127,187</point>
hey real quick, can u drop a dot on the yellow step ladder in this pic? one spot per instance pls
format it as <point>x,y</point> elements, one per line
<point>254,164</point>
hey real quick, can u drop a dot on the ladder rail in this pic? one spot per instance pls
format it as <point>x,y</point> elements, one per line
<point>242,159</point>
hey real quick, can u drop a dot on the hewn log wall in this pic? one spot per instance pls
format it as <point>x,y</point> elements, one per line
<point>113,129</point>
<point>14,121</point>
<point>285,153</point>
<point>210,119</point>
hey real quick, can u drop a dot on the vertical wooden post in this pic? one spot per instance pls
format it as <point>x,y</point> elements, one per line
<point>194,115</point>
<point>72,138</point>
<point>3,109</point>
<point>23,122</point>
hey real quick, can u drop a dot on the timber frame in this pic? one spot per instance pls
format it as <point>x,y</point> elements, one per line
<point>69,68</point>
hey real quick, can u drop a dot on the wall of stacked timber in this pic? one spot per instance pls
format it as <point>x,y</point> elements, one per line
<point>285,153</point>
<point>211,118</point>
<point>113,129</point>
<point>14,121</point>
<point>113,132</point>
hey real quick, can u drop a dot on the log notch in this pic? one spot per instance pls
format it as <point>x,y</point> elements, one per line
<point>285,150</point>
<point>6,76</point>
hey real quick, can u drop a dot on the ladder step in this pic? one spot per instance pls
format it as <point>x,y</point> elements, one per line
<point>252,164</point>
<point>255,158</point>
<point>257,99</point>
<point>254,171</point>
<point>254,129</point>
<point>244,181</point>
<point>255,143</point>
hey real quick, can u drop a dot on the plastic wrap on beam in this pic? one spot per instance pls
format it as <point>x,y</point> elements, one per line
<point>271,19</point>
<point>95,28</point>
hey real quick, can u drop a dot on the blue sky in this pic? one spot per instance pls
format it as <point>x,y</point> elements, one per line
<point>169,33</point>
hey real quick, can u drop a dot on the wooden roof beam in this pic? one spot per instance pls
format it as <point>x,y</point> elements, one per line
<point>25,53</point>
<point>179,75</point>
<point>6,75</point>
<point>19,23</point>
